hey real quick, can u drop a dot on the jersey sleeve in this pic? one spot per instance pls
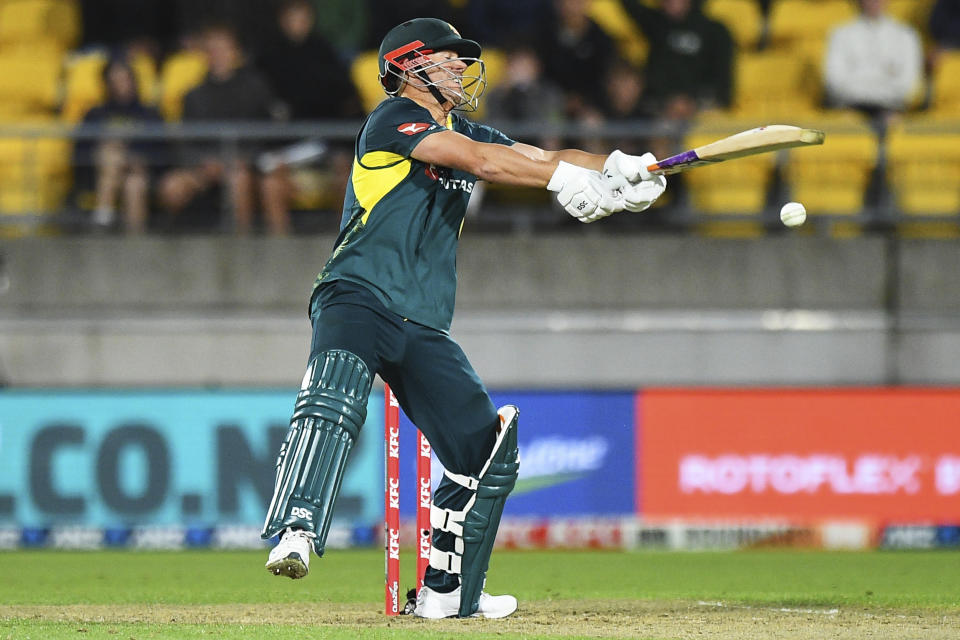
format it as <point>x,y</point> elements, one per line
<point>484,133</point>
<point>397,126</point>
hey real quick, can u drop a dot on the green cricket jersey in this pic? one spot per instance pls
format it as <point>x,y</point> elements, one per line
<point>402,218</point>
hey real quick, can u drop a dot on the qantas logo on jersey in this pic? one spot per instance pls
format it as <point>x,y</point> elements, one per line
<point>411,128</point>
<point>444,175</point>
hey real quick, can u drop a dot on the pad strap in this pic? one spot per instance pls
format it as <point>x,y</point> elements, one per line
<point>449,520</point>
<point>464,481</point>
<point>445,560</point>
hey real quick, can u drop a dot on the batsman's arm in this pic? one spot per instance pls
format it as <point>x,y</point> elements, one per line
<point>521,165</point>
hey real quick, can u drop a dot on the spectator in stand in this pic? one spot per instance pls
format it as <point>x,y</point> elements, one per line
<point>117,169</point>
<point>624,96</point>
<point>575,51</point>
<point>232,90</point>
<point>246,18</point>
<point>945,26</point>
<point>873,64</point>
<point>305,71</point>
<point>312,80</point>
<point>524,94</point>
<point>690,64</point>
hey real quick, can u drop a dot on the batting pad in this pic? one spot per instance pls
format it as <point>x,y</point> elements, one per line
<point>330,410</point>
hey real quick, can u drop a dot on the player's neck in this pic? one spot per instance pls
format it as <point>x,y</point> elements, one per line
<point>428,102</point>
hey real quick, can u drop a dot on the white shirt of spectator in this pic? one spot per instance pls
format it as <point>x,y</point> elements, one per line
<point>873,62</point>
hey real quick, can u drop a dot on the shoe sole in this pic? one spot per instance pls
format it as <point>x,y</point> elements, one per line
<point>478,614</point>
<point>291,566</point>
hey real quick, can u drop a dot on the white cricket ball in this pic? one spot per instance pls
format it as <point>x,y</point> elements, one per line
<point>793,214</point>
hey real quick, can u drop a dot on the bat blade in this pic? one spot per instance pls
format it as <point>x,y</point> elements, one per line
<point>746,143</point>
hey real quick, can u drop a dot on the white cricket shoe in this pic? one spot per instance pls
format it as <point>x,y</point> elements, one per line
<point>434,605</point>
<point>291,556</point>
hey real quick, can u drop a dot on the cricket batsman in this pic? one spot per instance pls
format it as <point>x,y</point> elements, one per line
<point>383,304</point>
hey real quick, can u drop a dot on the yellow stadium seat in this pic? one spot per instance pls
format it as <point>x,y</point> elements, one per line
<point>793,20</point>
<point>923,166</point>
<point>365,73</point>
<point>145,69</point>
<point>23,19</point>
<point>945,92</point>
<point>915,13</point>
<point>179,73</point>
<point>802,27</point>
<point>617,23</point>
<point>832,179</point>
<point>27,20</point>
<point>738,188</point>
<point>743,18</point>
<point>83,86</point>
<point>772,85</point>
<point>495,64</point>
<point>65,22</point>
<point>31,81</point>
<point>34,174</point>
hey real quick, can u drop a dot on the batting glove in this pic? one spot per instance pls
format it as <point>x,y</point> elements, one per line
<point>586,195</point>
<point>638,187</point>
<point>633,168</point>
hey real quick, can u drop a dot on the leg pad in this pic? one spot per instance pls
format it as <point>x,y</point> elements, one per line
<point>330,410</point>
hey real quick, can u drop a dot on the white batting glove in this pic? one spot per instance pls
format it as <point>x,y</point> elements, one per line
<point>586,195</point>
<point>637,194</point>
<point>633,168</point>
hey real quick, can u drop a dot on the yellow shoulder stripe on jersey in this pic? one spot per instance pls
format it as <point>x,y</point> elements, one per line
<point>370,184</point>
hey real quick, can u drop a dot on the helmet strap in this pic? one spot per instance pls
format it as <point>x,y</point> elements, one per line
<point>441,99</point>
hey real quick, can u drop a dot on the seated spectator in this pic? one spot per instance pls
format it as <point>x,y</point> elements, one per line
<point>232,90</point>
<point>625,95</point>
<point>690,64</point>
<point>118,169</point>
<point>574,51</point>
<point>874,63</point>
<point>523,94</point>
<point>305,71</point>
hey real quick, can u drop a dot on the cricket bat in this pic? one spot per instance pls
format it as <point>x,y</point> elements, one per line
<point>745,143</point>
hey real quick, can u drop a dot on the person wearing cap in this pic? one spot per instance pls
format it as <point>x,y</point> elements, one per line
<point>383,304</point>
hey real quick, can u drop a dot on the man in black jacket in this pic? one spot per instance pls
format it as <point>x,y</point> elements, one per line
<point>691,57</point>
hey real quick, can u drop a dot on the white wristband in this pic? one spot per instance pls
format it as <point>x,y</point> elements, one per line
<point>563,173</point>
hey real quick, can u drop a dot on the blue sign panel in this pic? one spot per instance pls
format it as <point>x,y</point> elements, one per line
<point>107,458</point>
<point>576,455</point>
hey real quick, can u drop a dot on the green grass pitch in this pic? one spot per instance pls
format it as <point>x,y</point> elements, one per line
<point>743,594</point>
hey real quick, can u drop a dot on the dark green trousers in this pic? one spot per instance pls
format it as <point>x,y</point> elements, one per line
<point>434,383</point>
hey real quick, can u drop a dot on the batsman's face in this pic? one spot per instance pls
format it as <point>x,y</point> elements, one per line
<point>446,73</point>
<point>460,80</point>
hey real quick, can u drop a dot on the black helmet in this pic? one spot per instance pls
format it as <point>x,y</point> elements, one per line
<point>404,47</point>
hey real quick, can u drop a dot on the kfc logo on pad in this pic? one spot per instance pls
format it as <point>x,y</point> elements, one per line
<point>411,128</point>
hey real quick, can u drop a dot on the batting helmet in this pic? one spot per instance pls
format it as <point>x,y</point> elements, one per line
<point>404,50</point>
